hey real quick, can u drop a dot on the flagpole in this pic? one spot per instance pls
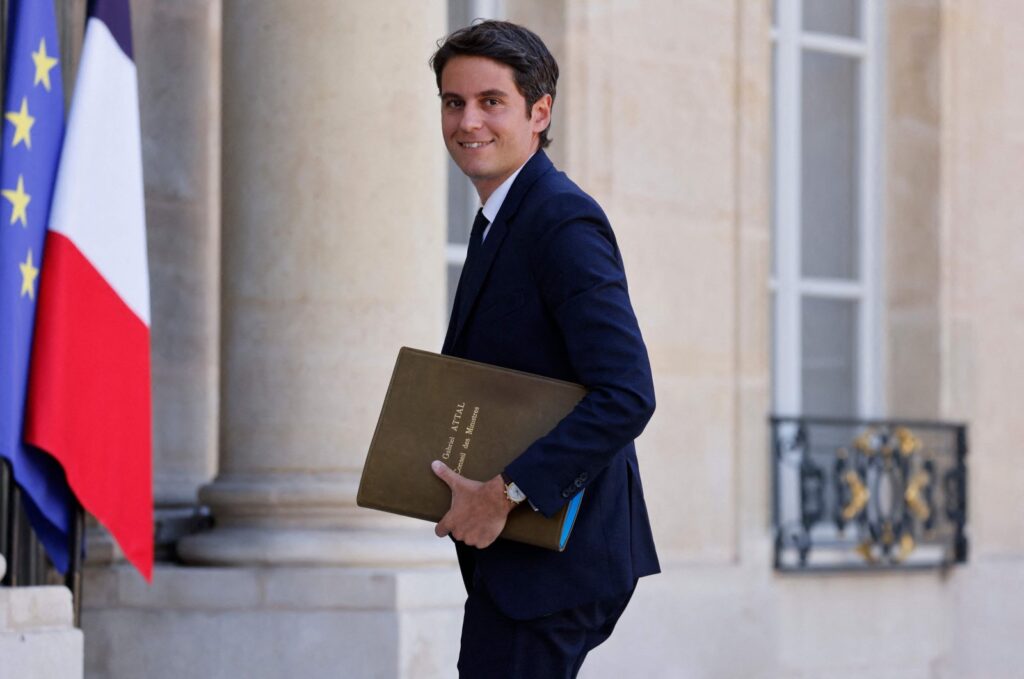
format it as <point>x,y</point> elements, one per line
<point>17,558</point>
<point>6,490</point>
<point>73,578</point>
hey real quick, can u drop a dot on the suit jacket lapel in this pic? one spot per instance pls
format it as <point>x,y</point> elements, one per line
<point>475,272</point>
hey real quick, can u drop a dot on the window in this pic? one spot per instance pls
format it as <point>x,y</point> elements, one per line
<point>826,269</point>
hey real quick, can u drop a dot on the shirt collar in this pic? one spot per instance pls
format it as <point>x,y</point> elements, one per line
<point>495,200</point>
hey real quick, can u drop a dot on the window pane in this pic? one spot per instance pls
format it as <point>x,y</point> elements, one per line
<point>839,17</point>
<point>829,160</point>
<point>829,361</point>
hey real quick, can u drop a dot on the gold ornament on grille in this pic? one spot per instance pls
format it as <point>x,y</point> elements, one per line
<point>907,441</point>
<point>907,545</point>
<point>865,441</point>
<point>859,495</point>
<point>912,495</point>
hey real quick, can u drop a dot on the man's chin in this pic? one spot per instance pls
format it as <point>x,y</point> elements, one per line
<point>476,173</point>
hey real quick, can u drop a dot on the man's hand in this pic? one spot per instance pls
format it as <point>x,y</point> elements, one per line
<point>478,512</point>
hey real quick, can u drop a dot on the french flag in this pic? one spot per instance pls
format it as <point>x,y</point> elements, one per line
<point>89,387</point>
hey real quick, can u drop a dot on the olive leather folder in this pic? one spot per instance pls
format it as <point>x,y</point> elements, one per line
<point>474,417</point>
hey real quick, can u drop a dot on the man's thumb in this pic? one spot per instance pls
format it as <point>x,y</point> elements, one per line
<point>443,472</point>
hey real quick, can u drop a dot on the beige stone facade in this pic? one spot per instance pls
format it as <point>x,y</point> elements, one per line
<point>295,181</point>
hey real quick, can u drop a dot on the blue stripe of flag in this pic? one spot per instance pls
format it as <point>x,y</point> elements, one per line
<point>116,14</point>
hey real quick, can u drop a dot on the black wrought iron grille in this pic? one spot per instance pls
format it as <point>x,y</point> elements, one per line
<point>868,494</point>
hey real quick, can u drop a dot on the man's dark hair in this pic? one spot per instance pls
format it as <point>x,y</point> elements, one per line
<point>534,69</point>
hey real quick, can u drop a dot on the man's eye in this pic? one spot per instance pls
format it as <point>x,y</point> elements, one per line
<point>453,103</point>
<point>491,102</point>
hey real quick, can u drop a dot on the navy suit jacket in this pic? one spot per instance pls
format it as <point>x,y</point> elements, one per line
<point>546,293</point>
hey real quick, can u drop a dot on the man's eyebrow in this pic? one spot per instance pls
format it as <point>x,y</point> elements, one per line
<point>485,93</point>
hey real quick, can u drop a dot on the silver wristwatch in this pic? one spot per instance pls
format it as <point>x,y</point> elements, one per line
<point>512,491</point>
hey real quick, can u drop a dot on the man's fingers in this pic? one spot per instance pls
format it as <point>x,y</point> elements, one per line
<point>463,519</point>
<point>441,529</point>
<point>443,472</point>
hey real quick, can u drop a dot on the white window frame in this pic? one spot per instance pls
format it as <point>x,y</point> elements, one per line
<point>787,284</point>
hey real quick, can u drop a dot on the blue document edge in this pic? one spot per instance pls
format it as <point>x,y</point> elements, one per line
<point>570,519</point>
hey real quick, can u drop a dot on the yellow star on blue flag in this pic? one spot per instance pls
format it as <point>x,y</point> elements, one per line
<point>28,277</point>
<point>44,63</point>
<point>23,123</point>
<point>32,134</point>
<point>19,201</point>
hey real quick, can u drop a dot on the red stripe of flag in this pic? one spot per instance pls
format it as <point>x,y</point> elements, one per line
<point>89,404</point>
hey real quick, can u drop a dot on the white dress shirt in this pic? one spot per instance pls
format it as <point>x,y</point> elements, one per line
<point>495,200</point>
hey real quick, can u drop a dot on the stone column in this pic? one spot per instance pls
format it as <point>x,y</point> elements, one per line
<point>333,257</point>
<point>179,91</point>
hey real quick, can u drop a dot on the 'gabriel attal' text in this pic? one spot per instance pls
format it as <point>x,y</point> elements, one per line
<point>455,426</point>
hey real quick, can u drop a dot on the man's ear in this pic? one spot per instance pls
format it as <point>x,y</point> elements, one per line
<point>540,114</point>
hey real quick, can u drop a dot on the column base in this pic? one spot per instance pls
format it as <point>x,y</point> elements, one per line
<point>251,546</point>
<point>100,546</point>
<point>292,519</point>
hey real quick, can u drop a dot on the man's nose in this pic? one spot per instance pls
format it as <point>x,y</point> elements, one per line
<point>471,119</point>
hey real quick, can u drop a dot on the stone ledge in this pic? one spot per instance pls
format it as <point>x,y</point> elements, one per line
<point>37,637</point>
<point>272,621</point>
<point>52,653</point>
<point>35,608</point>
<point>295,588</point>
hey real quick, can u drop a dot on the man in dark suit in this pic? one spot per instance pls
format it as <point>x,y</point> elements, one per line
<point>543,290</point>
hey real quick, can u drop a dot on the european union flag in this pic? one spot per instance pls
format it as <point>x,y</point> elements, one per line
<point>33,132</point>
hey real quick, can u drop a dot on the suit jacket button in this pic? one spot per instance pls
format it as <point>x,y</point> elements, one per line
<point>578,483</point>
<point>565,493</point>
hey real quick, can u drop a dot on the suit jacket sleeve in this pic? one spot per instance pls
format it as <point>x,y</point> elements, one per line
<point>579,272</point>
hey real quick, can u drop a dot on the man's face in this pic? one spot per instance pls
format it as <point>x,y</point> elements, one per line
<point>484,121</point>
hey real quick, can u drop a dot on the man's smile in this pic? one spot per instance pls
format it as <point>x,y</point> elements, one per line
<point>474,144</point>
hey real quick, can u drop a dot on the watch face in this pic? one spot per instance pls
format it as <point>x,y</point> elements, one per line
<point>514,494</point>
